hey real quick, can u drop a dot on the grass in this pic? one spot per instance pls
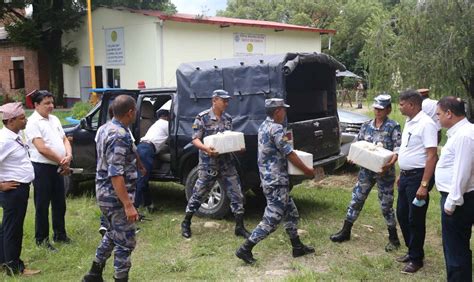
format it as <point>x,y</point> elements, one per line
<point>162,254</point>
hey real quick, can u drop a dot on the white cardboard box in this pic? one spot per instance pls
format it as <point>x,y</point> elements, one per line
<point>226,142</point>
<point>306,158</point>
<point>369,155</point>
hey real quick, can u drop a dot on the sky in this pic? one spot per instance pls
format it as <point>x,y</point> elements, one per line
<point>198,6</point>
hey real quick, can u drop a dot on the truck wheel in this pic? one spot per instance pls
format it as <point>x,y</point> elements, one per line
<point>70,186</point>
<point>215,204</point>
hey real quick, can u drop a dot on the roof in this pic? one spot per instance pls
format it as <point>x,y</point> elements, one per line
<point>226,22</point>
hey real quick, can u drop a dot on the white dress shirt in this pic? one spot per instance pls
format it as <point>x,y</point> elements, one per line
<point>419,133</point>
<point>157,134</point>
<point>15,165</point>
<point>455,168</point>
<point>429,106</point>
<point>51,131</point>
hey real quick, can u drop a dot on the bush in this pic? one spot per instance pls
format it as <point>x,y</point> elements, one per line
<point>80,109</point>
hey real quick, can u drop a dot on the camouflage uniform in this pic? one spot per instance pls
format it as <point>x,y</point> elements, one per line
<point>115,157</point>
<point>211,169</point>
<point>273,166</point>
<point>389,135</point>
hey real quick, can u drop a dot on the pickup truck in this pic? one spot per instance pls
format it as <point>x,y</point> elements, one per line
<point>305,80</point>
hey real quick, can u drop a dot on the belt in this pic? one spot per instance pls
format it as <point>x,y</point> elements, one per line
<point>150,143</point>
<point>411,171</point>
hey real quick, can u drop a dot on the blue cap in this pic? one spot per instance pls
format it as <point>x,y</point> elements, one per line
<point>275,103</point>
<point>221,94</point>
<point>382,101</point>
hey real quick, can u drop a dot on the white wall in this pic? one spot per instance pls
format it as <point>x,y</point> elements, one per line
<point>182,42</point>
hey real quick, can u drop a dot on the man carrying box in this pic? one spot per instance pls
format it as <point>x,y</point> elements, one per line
<point>379,130</point>
<point>274,151</point>
<point>213,166</point>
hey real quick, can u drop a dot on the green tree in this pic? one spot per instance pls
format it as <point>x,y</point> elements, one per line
<point>50,19</point>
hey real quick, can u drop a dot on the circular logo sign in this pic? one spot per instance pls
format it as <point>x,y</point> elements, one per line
<point>114,36</point>
<point>250,48</point>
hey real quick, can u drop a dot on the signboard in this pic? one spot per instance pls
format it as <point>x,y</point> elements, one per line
<point>246,44</point>
<point>114,46</point>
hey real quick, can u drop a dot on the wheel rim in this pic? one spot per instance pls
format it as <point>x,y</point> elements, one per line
<point>213,198</point>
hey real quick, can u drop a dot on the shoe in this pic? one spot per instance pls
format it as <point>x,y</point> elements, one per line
<point>95,273</point>
<point>30,272</point>
<point>300,249</point>
<point>45,244</point>
<point>411,268</point>
<point>404,258</point>
<point>186,229</point>
<point>344,234</point>
<point>240,227</point>
<point>393,241</point>
<point>62,239</point>
<point>245,252</point>
<point>102,231</point>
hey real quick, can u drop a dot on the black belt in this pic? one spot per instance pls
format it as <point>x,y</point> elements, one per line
<point>411,171</point>
<point>150,143</point>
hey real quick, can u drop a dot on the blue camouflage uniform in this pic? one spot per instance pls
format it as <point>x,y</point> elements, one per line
<point>115,157</point>
<point>273,148</point>
<point>389,135</point>
<point>220,168</point>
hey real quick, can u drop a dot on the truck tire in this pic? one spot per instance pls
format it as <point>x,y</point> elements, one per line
<point>216,203</point>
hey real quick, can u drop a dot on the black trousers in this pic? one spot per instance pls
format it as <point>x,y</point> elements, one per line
<point>49,188</point>
<point>14,203</point>
<point>412,219</point>
<point>457,231</point>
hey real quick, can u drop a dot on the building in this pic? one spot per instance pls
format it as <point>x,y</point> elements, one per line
<point>132,45</point>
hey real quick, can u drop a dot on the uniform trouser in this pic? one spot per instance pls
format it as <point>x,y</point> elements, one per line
<point>366,180</point>
<point>228,179</point>
<point>412,219</point>
<point>280,206</point>
<point>146,151</point>
<point>14,205</point>
<point>120,237</point>
<point>49,188</point>
<point>457,231</point>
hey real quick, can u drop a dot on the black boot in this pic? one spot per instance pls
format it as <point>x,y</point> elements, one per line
<point>393,241</point>
<point>245,252</point>
<point>299,249</point>
<point>123,279</point>
<point>186,225</point>
<point>240,227</point>
<point>344,234</point>
<point>95,274</point>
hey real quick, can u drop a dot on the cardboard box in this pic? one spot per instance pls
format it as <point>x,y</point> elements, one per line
<point>368,155</point>
<point>226,142</point>
<point>306,158</point>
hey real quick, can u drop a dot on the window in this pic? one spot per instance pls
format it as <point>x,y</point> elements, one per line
<point>113,78</point>
<point>17,75</point>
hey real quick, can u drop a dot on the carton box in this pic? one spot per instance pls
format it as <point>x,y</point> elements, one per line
<point>226,142</point>
<point>306,158</point>
<point>368,155</point>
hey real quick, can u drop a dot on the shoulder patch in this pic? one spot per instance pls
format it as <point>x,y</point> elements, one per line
<point>194,126</point>
<point>205,112</point>
<point>122,131</point>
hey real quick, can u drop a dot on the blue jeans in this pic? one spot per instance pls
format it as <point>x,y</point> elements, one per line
<point>457,230</point>
<point>412,219</point>
<point>146,151</point>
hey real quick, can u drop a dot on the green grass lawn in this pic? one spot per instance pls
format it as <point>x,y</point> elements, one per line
<point>162,254</point>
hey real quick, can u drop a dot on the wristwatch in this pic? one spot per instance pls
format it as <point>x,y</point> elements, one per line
<point>424,184</point>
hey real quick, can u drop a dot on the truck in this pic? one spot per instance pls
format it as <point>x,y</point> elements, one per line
<point>306,81</point>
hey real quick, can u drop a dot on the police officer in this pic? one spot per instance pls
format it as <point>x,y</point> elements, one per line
<point>273,153</point>
<point>115,190</point>
<point>213,166</point>
<point>379,130</point>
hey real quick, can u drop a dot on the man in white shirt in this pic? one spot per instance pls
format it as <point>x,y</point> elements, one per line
<point>150,145</point>
<point>51,156</point>
<point>15,177</point>
<point>417,159</point>
<point>429,107</point>
<point>455,181</point>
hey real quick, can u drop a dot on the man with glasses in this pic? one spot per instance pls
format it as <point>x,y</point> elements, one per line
<point>51,155</point>
<point>15,177</point>
<point>417,159</point>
